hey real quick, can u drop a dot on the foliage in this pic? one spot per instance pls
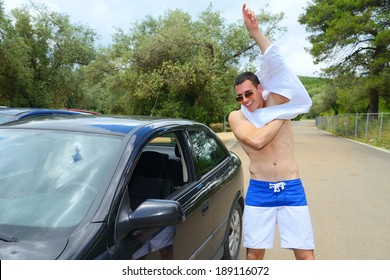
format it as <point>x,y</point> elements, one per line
<point>175,66</point>
<point>342,95</point>
<point>354,37</point>
<point>40,52</point>
<point>321,91</point>
<point>217,127</point>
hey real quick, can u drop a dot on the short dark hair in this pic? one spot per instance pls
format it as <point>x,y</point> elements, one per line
<point>247,76</point>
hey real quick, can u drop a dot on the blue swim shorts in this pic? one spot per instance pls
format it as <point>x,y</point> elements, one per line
<point>283,203</point>
<point>272,194</point>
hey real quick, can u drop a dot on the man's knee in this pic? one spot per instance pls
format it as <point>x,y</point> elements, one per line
<point>255,254</point>
<point>304,254</point>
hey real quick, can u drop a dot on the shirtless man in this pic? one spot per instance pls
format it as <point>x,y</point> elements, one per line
<point>275,194</point>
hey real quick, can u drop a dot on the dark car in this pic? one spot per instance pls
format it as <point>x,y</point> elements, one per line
<point>118,188</point>
<point>12,114</point>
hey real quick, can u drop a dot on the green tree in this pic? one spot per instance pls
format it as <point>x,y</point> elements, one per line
<point>13,60</point>
<point>353,36</point>
<point>323,95</point>
<point>175,66</point>
<point>41,52</point>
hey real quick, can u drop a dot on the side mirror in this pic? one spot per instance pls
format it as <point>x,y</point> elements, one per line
<point>155,213</point>
<point>152,214</point>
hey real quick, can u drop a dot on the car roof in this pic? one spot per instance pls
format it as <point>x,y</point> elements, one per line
<point>81,111</point>
<point>119,125</point>
<point>31,111</point>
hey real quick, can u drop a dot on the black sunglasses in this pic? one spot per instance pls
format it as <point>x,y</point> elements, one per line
<point>240,98</point>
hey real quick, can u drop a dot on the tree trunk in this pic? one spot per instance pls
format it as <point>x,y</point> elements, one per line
<point>374,101</point>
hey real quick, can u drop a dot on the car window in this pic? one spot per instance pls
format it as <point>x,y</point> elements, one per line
<point>209,152</point>
<point>162,158</point>
<point>159,173</point>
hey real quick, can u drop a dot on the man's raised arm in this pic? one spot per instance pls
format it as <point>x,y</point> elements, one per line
<point>276,78</point>
<point>252,25</point>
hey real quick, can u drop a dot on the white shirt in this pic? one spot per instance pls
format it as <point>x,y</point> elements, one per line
<point>275,76</point>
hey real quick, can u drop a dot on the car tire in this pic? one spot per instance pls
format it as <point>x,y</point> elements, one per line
<point>232,241</point>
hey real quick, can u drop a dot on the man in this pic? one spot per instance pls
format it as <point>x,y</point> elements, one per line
<point>263,128</point>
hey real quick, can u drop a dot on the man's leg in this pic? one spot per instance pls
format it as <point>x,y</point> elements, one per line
<point>259,230</point>
<point>303,254</point>
<point>255,254</point>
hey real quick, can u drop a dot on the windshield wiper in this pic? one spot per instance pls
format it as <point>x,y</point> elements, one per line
<point>7,238</point>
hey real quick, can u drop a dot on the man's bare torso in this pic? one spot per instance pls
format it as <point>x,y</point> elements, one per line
<point>276,161</point>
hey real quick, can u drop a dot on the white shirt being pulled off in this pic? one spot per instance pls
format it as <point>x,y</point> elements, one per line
<point>275,76</point>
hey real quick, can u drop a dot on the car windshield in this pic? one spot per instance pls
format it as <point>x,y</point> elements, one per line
<point>50,179</point>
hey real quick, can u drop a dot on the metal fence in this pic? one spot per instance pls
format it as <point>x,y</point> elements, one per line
<point>370,128</point>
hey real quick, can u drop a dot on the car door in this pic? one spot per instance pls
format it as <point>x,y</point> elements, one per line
<point>213,169</point>
<point>225,181</point>
<point>190,237</point>
<point>200,203</point>
<point>193,236</point>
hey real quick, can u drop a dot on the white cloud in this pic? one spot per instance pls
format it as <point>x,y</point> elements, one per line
<point>105,15</point>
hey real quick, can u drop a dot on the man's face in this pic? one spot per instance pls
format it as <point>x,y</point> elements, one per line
<point>249,95</point>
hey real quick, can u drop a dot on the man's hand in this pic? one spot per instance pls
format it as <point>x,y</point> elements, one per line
<point>250,20</point>
<point>252,25</point>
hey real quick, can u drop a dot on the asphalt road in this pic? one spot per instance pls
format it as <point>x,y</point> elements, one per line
<point>348,191</point>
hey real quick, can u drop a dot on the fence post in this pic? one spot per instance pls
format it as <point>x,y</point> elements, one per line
<point>380,129</point>
<point>368,116</point>
<point>356,124</point>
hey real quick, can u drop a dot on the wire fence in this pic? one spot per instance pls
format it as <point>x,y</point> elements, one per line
<point>366,127</point>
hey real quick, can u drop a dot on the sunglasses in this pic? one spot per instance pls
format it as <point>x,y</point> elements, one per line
<point>240,98</point>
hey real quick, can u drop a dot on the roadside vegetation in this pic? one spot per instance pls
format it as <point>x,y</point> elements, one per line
<point>178,66</point>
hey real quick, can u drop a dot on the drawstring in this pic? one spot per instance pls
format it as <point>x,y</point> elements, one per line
<point>277,186</point>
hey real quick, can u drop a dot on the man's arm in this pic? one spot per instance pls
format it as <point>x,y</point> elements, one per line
<point>287,95</point>
<point>249,135</point>
<point>252,25</point>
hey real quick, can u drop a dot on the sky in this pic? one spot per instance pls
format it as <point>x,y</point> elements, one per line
<point>104,16</point>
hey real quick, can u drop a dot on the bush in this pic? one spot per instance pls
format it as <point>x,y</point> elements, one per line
<point>216,127</point>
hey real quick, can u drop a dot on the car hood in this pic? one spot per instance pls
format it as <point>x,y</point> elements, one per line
<point>32,250</point>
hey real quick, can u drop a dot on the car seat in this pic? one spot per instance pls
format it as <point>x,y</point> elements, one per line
<point>148,180</point>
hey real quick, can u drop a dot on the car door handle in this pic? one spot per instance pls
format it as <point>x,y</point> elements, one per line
<point>205,208</point>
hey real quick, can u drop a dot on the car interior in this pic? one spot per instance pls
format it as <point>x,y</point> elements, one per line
<point>159,171</point>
